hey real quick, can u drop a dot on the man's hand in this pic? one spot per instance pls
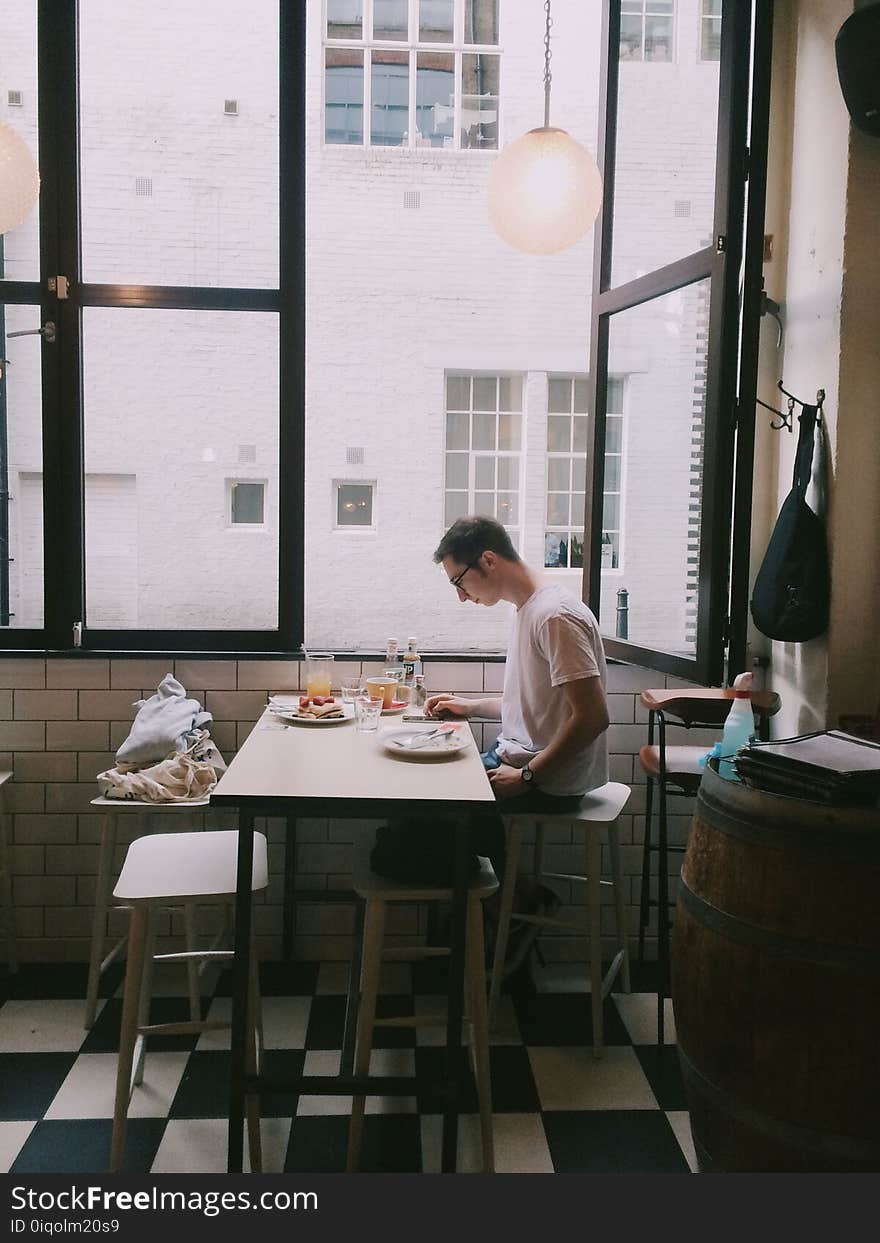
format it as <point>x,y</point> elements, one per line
<point>448,705</point>
<point>506,782</point>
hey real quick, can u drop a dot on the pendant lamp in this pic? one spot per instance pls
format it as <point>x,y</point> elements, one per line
<point>19,180</point>
<point>545,190</point>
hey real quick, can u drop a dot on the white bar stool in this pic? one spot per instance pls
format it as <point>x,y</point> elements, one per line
<point>113,808</point>
<point>600,808</point>
<point>377,892</point>
<point>6,879</point>
<point>173,869</point>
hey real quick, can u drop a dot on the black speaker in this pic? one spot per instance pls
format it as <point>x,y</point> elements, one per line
<point>857,47</point>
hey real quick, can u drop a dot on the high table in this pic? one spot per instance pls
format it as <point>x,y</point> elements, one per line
<point>334,771</point>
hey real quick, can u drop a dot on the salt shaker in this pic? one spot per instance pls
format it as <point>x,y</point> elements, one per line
<point>419,693</point>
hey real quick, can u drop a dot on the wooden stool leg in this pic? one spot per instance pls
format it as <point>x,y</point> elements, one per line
<point>257,999</point>
<point>5,865</point>
<point>137,939</point>
<point>476,970</point>
<point>619,906</point>
<point>192,964</point>
<point>374,931</point>
<point>594,875</point>
<point>662,916</point>
<point>140,1048</point>
<point>99,920</point>
<point>645,895</point>
<point>508,888</point>
<point>538,869</point>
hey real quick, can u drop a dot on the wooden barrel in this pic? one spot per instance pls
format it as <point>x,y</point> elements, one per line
<point>776,982</point>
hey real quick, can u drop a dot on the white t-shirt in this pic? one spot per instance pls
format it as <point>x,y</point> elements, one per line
<point>555,639</point>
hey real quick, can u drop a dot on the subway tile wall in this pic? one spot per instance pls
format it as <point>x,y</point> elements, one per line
<point>61,721</point>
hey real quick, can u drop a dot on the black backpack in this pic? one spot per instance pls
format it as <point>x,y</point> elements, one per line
<point>791,596</point>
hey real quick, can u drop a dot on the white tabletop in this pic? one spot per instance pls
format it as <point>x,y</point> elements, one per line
<point>345,770</point>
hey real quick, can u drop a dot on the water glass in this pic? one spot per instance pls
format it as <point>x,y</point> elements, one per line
<point>352,693</point>
<point>367,712</point>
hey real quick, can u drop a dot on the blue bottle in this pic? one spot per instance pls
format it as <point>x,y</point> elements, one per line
<point>738,727</point>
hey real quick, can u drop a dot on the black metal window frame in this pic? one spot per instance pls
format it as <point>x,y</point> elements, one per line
<point>743,119</point>
<point>61,362</point>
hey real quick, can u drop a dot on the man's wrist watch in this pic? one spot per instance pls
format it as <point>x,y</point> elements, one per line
<point>527,775</point>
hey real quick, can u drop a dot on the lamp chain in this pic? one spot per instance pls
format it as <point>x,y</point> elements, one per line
<point>548,76</point>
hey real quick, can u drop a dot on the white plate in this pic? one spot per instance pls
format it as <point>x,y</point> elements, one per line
<point>441,747</point>
<point>292,717</point>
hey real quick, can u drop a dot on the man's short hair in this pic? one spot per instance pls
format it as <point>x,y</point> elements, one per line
<point>468,537</point>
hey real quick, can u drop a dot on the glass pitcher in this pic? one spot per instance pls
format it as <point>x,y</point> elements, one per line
<point>318,673</point>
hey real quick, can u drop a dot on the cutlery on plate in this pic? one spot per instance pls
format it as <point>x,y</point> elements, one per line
<point>421,740</point>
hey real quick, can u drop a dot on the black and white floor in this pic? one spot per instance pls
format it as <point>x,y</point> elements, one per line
<point>556,1107</point>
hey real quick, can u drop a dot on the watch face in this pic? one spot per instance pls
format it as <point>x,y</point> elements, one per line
<point>527,773</point>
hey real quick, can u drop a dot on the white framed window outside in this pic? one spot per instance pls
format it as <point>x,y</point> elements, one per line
<point>412,74</point>
<point>647,30</point>
<point>710,30</point>
<point>246,503</point>
<point>567,439</point>
<point>483,458</point>
<point>354,505</point>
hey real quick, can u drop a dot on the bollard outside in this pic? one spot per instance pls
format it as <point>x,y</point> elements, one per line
<point>622,630</point>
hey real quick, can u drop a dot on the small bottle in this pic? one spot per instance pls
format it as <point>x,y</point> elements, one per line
<point>410,660</point>
<point>393,663</point>
<point>419,693</point>
<point>738,727</point>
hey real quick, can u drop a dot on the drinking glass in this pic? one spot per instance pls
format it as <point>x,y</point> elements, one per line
<point>319,673</point>
<point>352,693</point>
<point>367,712</point>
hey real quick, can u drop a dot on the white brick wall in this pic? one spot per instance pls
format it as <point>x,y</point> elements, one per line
<point>54,831</point>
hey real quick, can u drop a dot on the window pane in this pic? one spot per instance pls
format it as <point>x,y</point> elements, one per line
<point>479,101</point>
<point>344,97</point>
<point>484,431</point>
<point>354,505</point>
<point>484,472</point>
<point>557,508</point>
<point>612,472</point>
<point>481,21</point>
<point>179,132</point>
<point>579,439</point>
<point>510,392</point>
<point>581,395</point>
<point>458,392</point>
<point>390,19</point>
<point>665,343</point>
<point>345,19</point>
<point>613,434</point>
<point>509,431</point>
<point>435,21</point>
<point>484,503</point>
<point>456,470</point>
<point>390,106</point>
<point>458,435</point>
<point>630,38</point>
<point>576,550</point>
<point>158,429</point>
<point>664,181</point>
<point>558,474</point>
<point>20,247</point>
<point>21,471</point>
<point>558,433</point>
<point>555,550</point>
<point>508,473</point>
<point>559,395</point>
<point>435,99</point>
<point>507,510</point>
<point>485,393</point>
<point>456,506</point>
<point>578,474</point>
<point>614,397</point>
<point>710,48</point>
<point>247,502</point>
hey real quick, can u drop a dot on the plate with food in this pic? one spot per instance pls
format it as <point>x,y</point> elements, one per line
<point>431,744</point>
<point>314,710</point>
<point>397,705</point>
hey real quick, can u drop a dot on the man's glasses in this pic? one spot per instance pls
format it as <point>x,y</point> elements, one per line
<point>456,582</point>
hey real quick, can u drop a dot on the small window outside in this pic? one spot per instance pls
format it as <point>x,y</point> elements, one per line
<point>646,30</point>
<point>354,504</point>
<point>247,504</point>
<point>710,30</point>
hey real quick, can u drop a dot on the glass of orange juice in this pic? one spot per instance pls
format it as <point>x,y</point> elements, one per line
<point>319,673</point>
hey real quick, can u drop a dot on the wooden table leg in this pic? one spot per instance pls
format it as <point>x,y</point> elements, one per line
<point>454,1060</point>
<point>240,969</point>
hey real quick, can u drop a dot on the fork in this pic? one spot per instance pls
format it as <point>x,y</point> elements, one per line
<point>421,740</point>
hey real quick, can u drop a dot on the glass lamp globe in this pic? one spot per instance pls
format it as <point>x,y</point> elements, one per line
<point>19,180</point>
<point>544,192</point>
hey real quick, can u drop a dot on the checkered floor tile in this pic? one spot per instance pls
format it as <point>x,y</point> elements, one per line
<point>556,1107</point>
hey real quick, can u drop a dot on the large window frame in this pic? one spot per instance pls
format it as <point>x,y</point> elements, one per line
<point>732,372</point>
<point>740,182</point>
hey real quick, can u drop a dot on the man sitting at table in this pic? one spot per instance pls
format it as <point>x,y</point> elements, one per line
<point>552,745</point>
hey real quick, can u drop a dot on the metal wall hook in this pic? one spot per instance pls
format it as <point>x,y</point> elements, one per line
<point>787,420</point>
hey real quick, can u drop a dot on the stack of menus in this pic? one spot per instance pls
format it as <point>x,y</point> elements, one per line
<point>828,767</point>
